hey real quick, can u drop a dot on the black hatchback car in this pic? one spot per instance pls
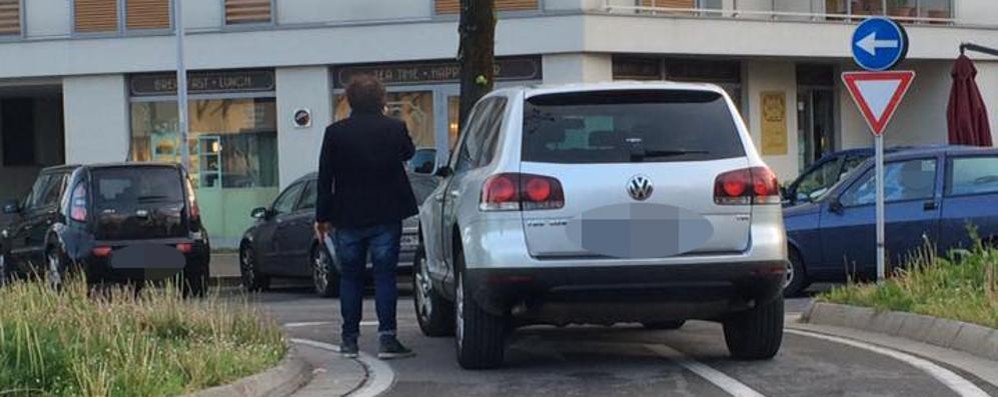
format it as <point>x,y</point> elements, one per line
<point>124,222</point>
<point>282,242</point>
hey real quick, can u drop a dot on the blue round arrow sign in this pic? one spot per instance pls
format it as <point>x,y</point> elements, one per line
<point>879,44</point>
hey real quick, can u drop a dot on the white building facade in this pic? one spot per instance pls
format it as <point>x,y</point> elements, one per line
<point>85,81</point>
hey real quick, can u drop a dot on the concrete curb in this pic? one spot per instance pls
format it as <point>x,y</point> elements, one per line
<point>281,381</point>
<point>969,338</point>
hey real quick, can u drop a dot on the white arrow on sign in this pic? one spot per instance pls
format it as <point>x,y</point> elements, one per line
<point>870,44</point>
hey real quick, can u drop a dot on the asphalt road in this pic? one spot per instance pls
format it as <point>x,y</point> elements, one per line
<point>619,361</point>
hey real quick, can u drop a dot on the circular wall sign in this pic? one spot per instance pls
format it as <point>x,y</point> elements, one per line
<point>302,118</point>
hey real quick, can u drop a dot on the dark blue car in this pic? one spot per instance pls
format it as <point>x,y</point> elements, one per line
<point>932,194</point>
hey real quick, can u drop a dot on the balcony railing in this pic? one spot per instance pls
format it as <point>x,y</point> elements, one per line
<point>907,11</point>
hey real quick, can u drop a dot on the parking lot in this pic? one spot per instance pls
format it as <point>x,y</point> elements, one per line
<point>624,360</point>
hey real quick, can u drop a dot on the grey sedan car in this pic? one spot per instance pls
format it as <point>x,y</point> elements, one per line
<point>602,204</point>
<point>282,243</point>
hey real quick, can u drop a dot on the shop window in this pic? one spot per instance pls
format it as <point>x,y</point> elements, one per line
<point>248,11</point>
<point>96,16</point>
<point>726,74</point>
<point>17,128</point>
<point>232,142</point>
<point>147,14</point>
<point>415,108</point>
<point>10,17</point>
<point>454,6</point>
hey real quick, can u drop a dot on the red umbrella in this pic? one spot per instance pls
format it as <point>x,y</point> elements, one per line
<point>967,117</point>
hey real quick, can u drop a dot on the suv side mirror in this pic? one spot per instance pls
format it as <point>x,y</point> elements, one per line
<point>443,172</point>
<point>260,213</point>
<point>11,207</point>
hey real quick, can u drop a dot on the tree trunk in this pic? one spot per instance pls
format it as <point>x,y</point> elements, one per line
<point>476,54</point>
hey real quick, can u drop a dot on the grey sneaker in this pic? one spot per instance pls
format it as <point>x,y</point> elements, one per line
<point>391,348</point>
<point>349,348</point>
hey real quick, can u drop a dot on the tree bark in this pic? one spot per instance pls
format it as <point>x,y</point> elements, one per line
<point>476,53</point>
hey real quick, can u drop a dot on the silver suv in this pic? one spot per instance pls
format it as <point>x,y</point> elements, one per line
<point>602,204</point>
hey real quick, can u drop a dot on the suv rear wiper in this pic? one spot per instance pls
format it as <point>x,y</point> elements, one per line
<point>150,198</point>
<point>638,155</point>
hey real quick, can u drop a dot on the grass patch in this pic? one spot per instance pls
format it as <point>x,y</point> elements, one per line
<point>118,343</point>
<point>962,286</point>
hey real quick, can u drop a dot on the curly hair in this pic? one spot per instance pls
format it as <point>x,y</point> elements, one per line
<point>366,94</point>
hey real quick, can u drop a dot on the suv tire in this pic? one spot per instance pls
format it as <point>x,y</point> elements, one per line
<point>664,325</point>
<point>434,313</point>
<point>195,279</point>
<point>757,333</point>
<point>6,270</point>
<point>480,335</point>
<point>249,271</point>
<point>324,277</point>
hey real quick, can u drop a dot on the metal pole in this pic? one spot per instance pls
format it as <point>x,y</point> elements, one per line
<point>178,19</point>
<point>881,269</point>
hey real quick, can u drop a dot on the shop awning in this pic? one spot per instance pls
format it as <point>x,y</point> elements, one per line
<point>967,116</point>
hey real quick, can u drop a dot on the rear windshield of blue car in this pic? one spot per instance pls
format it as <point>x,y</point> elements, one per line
<point>623,126</point>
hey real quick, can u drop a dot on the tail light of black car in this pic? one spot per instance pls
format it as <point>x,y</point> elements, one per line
<point>748,186</point>
<point>78,203</point>
<point>521,192</point>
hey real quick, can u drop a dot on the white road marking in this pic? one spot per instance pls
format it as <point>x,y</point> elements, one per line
<point>953,381</point>
<point>730,385</point>
<point>380,376</point>
<point>320,323</point>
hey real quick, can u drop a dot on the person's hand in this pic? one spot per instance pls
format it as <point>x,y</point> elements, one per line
<point>322,229</point>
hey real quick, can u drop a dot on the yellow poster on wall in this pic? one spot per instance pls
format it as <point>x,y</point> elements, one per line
<point>774,123</point>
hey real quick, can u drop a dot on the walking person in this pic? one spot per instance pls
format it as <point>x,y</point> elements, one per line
<point>364,194</point>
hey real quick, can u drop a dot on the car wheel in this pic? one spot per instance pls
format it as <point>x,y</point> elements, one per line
<point>195,279</point>
<point>664,325</point>
<point>249,271</point>
<point>55,269</point>
<point>324,277</point>
<point>434,313</point>
<point>757,333</point>
<point>6,271</point>
<point>796,277</point>
<point>480,336</point>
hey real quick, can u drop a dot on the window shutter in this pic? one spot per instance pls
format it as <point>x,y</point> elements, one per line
<point>147,14</point>
<point>10,17</point>
<point>454,6</point>
<point>247,11</point>
<point>96,15</point>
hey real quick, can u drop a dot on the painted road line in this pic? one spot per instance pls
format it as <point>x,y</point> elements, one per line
<point>728,384</point>
<point>380,376</point>
<point>321,323</point>
<point>954,382</point>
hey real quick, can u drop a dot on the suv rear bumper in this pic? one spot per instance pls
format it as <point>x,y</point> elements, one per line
<point>102,268</point>
<point>606,295</point>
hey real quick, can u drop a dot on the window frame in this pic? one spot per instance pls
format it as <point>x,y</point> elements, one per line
<point>122,23</point>
<point>948,182</point>
<point>23,20</point>
<point>248,25</point>
<point>872,169</point>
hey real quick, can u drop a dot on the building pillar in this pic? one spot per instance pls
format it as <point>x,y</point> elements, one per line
<point>773,79</point>
<point>298,148</point>
<point>96,119</point>
<point>577,68</point>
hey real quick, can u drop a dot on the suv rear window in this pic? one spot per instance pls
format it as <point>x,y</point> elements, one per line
<point>128,186</point>
<point>629,126</point>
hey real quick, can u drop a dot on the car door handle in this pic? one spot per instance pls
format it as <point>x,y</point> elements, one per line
<point>455,193</point>
<point>930,205</point>
<point>438,198</point>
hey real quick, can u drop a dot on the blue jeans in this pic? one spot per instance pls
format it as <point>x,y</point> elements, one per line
<point>352,246</point>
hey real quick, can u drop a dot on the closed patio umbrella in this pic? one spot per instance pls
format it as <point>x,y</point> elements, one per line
<point>967,116</point>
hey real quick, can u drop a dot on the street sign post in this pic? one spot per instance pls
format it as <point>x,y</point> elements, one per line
<point>879,44</point>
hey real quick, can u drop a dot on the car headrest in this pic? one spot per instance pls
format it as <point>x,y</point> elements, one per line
<point>605,138</point>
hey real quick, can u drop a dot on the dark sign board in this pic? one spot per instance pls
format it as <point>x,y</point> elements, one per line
<point>507,69</point>
<point>203,82</point>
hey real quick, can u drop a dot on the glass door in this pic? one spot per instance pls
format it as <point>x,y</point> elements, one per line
<point>815,124</point>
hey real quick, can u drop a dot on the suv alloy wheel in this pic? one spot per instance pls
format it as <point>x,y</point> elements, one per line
<point>55,268</point>
<point>434,313</point>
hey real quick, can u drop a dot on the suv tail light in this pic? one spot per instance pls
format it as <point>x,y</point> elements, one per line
<point>78,204</point>
<point>521,192</point>
<point>756,185</point>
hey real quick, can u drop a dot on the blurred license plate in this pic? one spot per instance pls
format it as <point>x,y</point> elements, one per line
<point>409,241</point>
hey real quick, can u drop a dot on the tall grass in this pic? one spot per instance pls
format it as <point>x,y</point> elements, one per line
<point>119,343</point>
<point>962,286</point>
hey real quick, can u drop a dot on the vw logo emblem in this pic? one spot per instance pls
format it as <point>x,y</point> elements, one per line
<point>640,187</point>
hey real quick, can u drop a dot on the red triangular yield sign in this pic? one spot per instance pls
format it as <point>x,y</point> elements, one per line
<point>878,94</point>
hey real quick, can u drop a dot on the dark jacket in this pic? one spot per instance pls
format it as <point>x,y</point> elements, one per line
<point>362,179</point>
